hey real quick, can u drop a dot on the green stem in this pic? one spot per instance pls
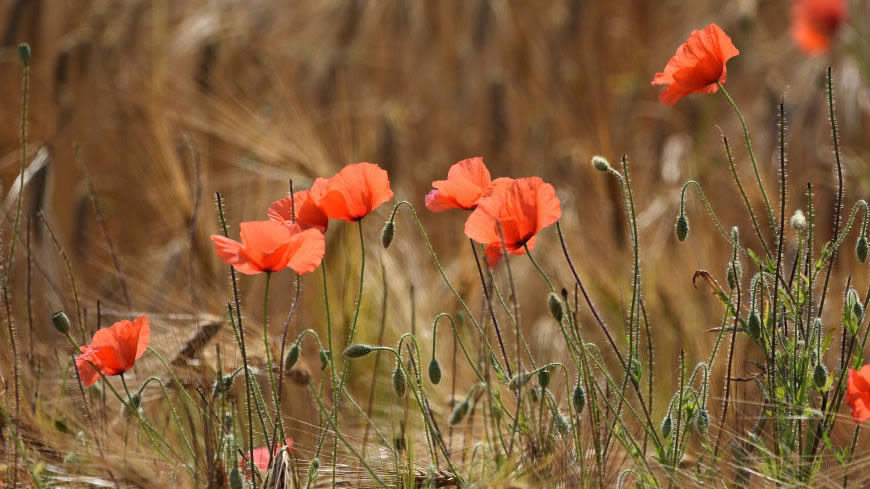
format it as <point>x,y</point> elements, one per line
<point>272,383</point>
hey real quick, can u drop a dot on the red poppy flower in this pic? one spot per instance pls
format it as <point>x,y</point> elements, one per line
<point>269,246</point>
<point>353,192</point>
<point>467,181</point>
<point>113,350</point>
<point>697,65</point>
<point>261,456</point>
<point>522,207</point>
<point>858,393</point>
<point>308,215</point>
<point>814,23</point>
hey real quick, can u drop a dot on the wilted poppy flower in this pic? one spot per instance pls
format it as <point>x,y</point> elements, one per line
<point>858,393</point>
<point>697,65</point>
<point>814,23</point>
<point>269,246</point>
<point>113,350</point>
<point>353,192</point>
<point>308,215</point>
<point>522,207</point>
<point>467,181</point>
<point>261,456</point>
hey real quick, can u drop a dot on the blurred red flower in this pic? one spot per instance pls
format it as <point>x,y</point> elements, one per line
<point>113,350</point>
<point>467,181</point>
<point>697,65</point>
<point>522,207</point>
<point>858,393</point>
<point>261,456</point>
<point>814,23</point>
<point>269,246</point>
<point>308,214</point>
<point>353,192</point>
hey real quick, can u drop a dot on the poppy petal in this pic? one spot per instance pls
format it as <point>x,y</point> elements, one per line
<point>306,251</point>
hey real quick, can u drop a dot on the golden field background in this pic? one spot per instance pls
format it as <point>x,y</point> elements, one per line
<point>171,101</point>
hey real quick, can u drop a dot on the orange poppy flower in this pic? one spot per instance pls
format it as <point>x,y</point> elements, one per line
<point>522,207</point>
<point>261,455</point>
<point>269,246</point>
<point>113,350</point>
<point>814,23</point>
<point>467,181</point>
<point>308,215</point>
<point>858,393</point>
<point>697,65</point>
<point>353,192</point>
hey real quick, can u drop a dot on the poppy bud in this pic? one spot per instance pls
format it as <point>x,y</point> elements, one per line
<point>434,371</point>
<point>399,381</point>
<point>857,310</point>
<point>861,249</point>
<point>458,413</point>
<point>292,357</point>
<point>236,479</point>
<point>702,421</point>
<point>753,324</point>
<point>544,378</point>
<point>600,163</point>
<point>24,53</point>
<point>520,380</point>
<point>735,273</point>
<point>357,351</point>
<point>60,322</point>
<point>388,233</point>
<point>666,426</point>
<point>562,424</point>
<point>579,399</point>
<point>682,227</point>
<point>555,306</point>
<point>313,467</point>
<point>820,376</point>
<point>817,326</point>
<point>325,357</point>
<point>798,220</point>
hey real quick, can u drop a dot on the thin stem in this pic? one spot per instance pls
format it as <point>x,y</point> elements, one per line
<point>24,95</point>
<point>491,310</point>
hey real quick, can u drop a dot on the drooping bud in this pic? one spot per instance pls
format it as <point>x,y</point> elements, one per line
<point>236,478</point>
<point>555,306</point>
<point>388,233</point>
<point>666,426</point>
<point>60,322</point>
<point>735,273</point>
<point>313,469</point>
<point>399,381</point>
<point>434,371</point>
<point>357,351</point>
<point>520,380</point>
<point>24,53</point>
<point>579,398</point>
<point>325,357</point>
<point>292,357</point>
<point>562,424</point>
<point>861,249</point>
<point>544,378</point>
<point>753,324</point>
<point>798,220</point>
<point>458,413</point>
<point>702,421</point>
<point>600,163</point>
<point>682,227</point>
<point>820,376</point>
<point>857,310</point>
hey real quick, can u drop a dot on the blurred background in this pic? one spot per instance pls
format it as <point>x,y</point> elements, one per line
<point>172,101</point>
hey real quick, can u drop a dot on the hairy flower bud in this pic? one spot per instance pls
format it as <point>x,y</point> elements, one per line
<point>562,424</point>
<point>555,305</point>
<point>666,426</point>
<point>702,421</point>
<point>820,376</point>
<point>388,233</point>
<point>579,399</point>
<point>520,380</point>
<point>544,378</point>
<point>861,249</point>
<point>458,413</point>
<point>798,220</point>
<point>600,163</point>
<point>292,357</point>
<point>434,371</point>
<point>24,53</point>
<point>399,381</point>
<point>682,227</point>
<point>325,357</point>
<point>357,351</point>
<point>60,322</point>
<point>753,324</point>
<point>735,273</point>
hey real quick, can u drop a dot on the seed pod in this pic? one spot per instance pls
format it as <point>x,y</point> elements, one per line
<point>399,381</point>
<point>458,413</point>
<point>236,478</point>
<point>544,378</point>
<point>60,322</point>
<point>555,305</point>
<point>562,424</point>
<point>434,371</point>
<point>861,249</point>
<point>798,220</point>
<point>702,421</point>
<point>666,426</point>
<point>520,380</point>
<point>820,376</point>
<point>579,398</point>
<point>292,357</point>
<point>600,163</point>
<point>682,227</point>
<point>388,233</point>
<point>753,324</point>
<point>357,351</point>
<point>24,53</point>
